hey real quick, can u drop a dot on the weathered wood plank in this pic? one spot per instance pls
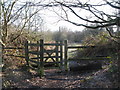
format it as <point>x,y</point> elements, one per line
<point>61,54</point>
<point>57,52</point>
<point>13,48</point>
<point>36,62</point>
<point>26,53</point>
<point>33,44</point>
<point>33,61</point>
<point>33,52</point>
<point>65,55</point>
<point>41,65</point>
<point>90,59</point>
<point>46,44</point>
<point>52,44</point>
<point>51,62</point>
<point>51,51</point>
<point>52,57</point>
<point>15,55</point>
<point>46,57</point>
<point>35,58</point>
<point>75,47</point>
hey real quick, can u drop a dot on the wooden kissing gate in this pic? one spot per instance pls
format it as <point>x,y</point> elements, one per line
<point>39,55</point>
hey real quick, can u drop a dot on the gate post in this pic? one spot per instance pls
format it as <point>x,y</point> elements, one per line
<point>57,53</point>
<point>61,55</point>
<point>41,63</point>
<point>66,65</point>
<point>26,53</point>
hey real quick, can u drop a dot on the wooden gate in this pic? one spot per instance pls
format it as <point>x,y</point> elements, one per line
<point>41,53</point>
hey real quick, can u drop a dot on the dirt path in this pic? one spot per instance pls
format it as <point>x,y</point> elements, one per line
<point>19,78</point>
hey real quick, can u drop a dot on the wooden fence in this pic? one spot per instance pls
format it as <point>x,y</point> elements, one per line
<point>58,54</point>
<point>14,48</point>
<point>86,59</point>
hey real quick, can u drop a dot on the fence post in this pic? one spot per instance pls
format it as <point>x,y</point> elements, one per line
<point>61,54</point>
<point>38,53</point>
<point>66,65</point>
<point>41,63</point>
<point>57,53</point>
<point>26,53</point>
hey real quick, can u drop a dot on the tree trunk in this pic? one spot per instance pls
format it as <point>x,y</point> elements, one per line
<point>5,32</point>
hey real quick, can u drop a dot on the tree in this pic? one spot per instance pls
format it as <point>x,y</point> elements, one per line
<point>61,34</point>
<point>17,14</point>
<point>101,18</point>
<point>96,19</point>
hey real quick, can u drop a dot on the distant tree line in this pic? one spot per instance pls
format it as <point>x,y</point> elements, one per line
<point>74,36</point>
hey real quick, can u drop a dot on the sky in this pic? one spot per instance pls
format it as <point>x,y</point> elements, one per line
<point>52,21</point>
<point>51,18</point>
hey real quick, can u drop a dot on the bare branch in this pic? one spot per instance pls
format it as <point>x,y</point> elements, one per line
<point>118,37</point>
<point>92,27</point>
<point>16,13</point>
<point>117,7</point>
<point>79,16</point>
<point>24,25</point>
<point>13,3</point>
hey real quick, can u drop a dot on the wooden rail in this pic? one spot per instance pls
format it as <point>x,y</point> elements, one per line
<point>15,55</point>
<point>97,58</point>
<point>76,47</point>
<point>13,47</point>
<point>89,59</point>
